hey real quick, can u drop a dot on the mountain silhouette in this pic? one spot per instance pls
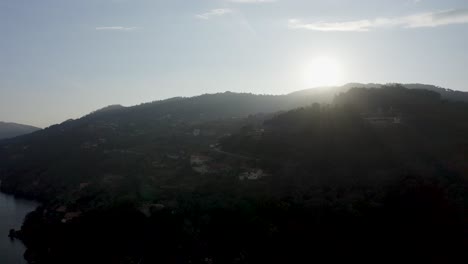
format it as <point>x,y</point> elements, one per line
<point>247,178</point>
<point>10,130</point>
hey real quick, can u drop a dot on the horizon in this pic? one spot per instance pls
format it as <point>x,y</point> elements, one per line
<point>217,92</point>
<point>63,60</point>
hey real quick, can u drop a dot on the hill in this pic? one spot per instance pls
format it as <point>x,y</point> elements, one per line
<point>390,129</point>
<point>10,130</point>
<point>448,94</point>
<point>42,164</point>
<point>328,93</point>
<point>242,178</point>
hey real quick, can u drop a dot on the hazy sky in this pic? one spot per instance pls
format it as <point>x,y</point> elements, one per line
<point>61,59</point>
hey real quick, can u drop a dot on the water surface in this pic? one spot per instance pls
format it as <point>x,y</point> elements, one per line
<point>12,213</point>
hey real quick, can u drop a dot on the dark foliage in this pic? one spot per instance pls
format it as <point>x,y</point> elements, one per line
<point>377,175</point>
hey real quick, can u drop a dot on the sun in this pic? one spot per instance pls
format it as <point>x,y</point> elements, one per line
<point>323,71</point>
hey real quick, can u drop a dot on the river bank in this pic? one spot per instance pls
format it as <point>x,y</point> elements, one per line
<point>12,213</point>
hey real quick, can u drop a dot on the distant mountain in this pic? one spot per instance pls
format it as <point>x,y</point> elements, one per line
<point>243,178</point>
<point>108,109</point>
<point>228,104</point>
<point>207,107</point>
<point>9,130</point>
<point>327,93</point>
<point>88,147</point>
<point>447,94</point>
<point>158,128</point>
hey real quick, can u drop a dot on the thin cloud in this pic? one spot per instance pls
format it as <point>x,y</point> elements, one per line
<point>116,28</point>
<point>252,1</point>
<point>214,13</point>
<point>423,20</point>
<point>361,25</point>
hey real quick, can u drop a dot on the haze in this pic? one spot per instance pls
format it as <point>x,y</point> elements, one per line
<point>62,59</point>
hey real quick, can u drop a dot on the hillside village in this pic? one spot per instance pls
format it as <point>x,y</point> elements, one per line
<point>188,179</point>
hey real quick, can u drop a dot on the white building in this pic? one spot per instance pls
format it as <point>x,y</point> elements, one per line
<point>252,175</point>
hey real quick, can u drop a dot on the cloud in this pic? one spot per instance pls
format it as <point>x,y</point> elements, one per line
<point>361,25</point>
<point>116,28</point>
<point>251,1</point>
<point>214,13</point>
<point>441,18</point>
<point>422,20</point>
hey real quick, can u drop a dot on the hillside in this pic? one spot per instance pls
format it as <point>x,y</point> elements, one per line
<point>62,156</point>
<point>448,94</point>
<point>328,93</point>
<point>10,130</point>
<point>242,178</point>
<point>367,132</point>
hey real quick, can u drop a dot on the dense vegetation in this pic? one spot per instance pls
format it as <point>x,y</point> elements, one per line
<point>376,175</point>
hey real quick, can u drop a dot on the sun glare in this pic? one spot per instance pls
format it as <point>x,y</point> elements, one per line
<point>323,71</point>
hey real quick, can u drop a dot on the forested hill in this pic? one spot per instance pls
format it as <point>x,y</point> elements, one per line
<point>236,105</point>
<point>43,164</point>
<point>380,171</point>
<point>365,132</point>
<point>215,106</point>
<point>199,108</point>
<point>448,94</point>
<point>155,129</point>
<point>9,130</point>
<point>242,178</point>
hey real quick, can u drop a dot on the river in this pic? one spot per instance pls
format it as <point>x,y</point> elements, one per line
<point>12,213</point>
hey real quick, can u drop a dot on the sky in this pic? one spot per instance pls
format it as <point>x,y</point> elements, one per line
<point>62,59</point>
